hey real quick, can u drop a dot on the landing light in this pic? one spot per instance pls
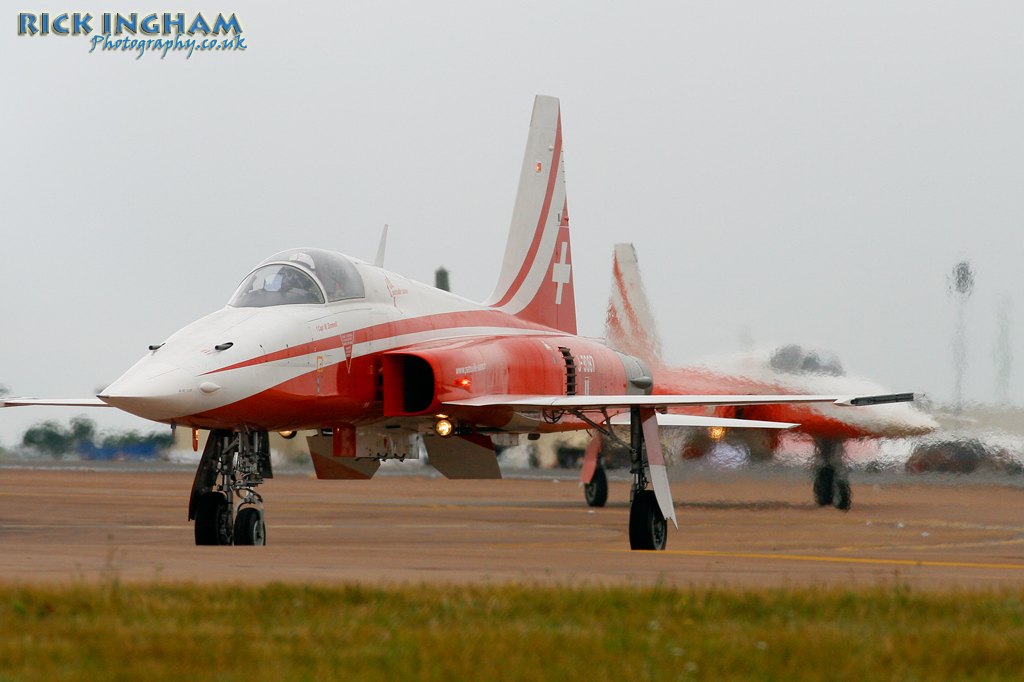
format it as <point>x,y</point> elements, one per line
<point>717,432</point>
<point>287,434</point>
<point>443,427</point>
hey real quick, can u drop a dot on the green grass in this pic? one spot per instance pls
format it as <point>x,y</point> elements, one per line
<point>278,632</point>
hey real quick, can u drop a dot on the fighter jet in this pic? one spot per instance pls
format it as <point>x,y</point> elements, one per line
<point>631,327</point>
<point>372,361</point>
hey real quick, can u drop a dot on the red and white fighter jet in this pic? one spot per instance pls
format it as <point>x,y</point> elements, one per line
<point>374,361</point>
<point>631,327</point>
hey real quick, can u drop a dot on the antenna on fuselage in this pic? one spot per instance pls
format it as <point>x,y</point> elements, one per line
<point>379,260</point>
<point>441,279</point>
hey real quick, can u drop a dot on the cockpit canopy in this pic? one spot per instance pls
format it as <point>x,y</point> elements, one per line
<point>797,360</point>
<point>299,276</point>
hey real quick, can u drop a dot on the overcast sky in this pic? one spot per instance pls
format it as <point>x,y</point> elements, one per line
<point>808,172</point>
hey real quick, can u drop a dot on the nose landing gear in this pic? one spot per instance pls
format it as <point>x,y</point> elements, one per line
<point>233,464</point>
<point>249,528</point>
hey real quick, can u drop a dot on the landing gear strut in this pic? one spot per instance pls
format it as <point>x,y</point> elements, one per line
<point>648,525</point>
<point>831,478</point>
<point>233,464</point>
<point>648,528</point>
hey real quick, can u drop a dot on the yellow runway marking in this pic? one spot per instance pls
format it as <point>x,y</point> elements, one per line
<point>835,559</point>
<point>925,546</point>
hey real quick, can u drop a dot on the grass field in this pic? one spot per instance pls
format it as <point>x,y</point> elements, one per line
<point>281,632</point>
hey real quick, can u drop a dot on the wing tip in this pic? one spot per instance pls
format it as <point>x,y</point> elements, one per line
<point>885,399</point>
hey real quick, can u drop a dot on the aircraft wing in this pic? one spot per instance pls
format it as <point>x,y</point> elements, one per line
<point>525,403</point>
<point>648,405</point>
<point>62,402</point>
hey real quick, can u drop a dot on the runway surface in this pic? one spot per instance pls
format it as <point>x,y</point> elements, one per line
<point>740,529</point>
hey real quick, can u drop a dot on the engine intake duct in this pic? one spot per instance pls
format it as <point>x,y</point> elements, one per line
<point>408,384</point>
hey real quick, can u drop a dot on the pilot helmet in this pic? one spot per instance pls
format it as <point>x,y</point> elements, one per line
<point>305,259</point>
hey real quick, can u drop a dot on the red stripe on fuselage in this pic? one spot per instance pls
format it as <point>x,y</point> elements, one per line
<point>531,255</point>
<point>401,327</point>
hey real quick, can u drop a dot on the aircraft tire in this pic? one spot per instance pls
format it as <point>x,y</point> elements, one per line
<point>647,526</point>
<point>596,491</point>
<point>213,520</point>
<point>824,480</point>
<point>842,496</point>
<point>249,528</point>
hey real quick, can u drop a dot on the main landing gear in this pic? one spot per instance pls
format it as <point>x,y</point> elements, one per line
<point>596,492</point>
<point>233,464</point>
<point>648,528</point>
<point>831,477</point>
<point>647,525</point>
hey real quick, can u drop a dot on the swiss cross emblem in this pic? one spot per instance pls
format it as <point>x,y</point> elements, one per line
<point>561,272</point>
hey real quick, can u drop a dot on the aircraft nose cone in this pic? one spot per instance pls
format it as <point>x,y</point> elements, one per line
<point>906,422</point>
<point>154,391</point>
<point>923,424</point>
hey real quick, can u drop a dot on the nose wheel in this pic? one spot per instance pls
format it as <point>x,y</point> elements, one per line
<point>213,520</point>
<point>249,528</point>
<point>214,525</point>
<point>233,464</point>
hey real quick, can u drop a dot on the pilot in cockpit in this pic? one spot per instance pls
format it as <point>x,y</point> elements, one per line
<point>287,278</point>
<point>297,288</point>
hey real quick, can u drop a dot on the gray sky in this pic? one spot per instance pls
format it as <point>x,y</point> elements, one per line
<point>808,171</point>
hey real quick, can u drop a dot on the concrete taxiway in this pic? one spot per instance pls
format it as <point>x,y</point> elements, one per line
<point>739,529</point>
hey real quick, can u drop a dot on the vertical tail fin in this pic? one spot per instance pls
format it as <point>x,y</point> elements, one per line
<point>630,326</point>
<point>535,282</point>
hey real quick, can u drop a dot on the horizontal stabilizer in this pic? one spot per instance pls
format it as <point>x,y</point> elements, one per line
<point>706,422</point>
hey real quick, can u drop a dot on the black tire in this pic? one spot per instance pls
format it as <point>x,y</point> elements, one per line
<point>647,526</point>
<point>824,479</point>
<point>842,496</point>
<point>596,491</point>
<point>213,520</point>
<point>249,528</point>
